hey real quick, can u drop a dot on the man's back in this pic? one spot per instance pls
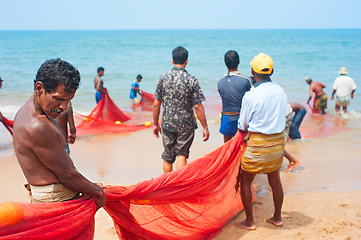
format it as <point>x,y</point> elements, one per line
<point>317,88</point>
<point>179,92</point>
<point>98,83</point>
<point>231,88</point>
<point>264,109</point>
<point>344,85</point>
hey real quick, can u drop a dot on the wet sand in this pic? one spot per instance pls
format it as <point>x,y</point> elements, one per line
<point>322,195</point>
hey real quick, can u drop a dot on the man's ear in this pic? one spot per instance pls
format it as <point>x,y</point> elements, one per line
<point>172,61</point>
<point>39,88</point>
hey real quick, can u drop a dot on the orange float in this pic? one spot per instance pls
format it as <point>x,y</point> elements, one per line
<point>10,214</point>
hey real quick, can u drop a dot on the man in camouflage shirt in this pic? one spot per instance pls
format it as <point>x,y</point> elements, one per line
<point>179,92</point>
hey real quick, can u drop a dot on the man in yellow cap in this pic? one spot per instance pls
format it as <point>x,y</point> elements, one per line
<point>343,87</point>
<point>263,115</point>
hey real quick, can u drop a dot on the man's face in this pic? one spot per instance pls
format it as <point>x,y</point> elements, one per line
<point>1,83</point>
<point>55,102</point>
<point>101,73</point>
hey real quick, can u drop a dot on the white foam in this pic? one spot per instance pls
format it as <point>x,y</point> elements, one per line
<point>9,111</point>
<point>351,115</point>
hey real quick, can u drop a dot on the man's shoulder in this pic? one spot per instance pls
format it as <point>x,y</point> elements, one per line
<point>177,72</point>
<point>33,126</point>
<point>97,78</point>
<point>238,77</point>
<point>166,74</point>
<point>268,88</point>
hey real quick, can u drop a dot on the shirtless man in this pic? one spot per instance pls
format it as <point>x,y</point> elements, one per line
<point>321,97</point>
<point>66,118</point>
<point>99,85</point>
<point>39,143</point>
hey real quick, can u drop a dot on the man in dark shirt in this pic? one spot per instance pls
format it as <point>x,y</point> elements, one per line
<point>179,92</point>
<point>231,88</point>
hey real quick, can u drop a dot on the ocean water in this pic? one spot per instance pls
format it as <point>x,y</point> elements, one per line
<point>126,53</point>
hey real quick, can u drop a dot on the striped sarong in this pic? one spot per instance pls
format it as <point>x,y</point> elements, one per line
<point>264,153</point>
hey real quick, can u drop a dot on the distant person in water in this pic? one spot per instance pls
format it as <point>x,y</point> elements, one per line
<point>99,85</point>
<point>300,112</point>
<point>2,119</point>
<point>343,87</point>
<point>66,118</point>
<point>321,97</point>
<point>135,89</point>
<point>231,88</point>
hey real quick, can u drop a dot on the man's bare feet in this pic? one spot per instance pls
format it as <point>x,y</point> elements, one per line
<point>245,225</point>
<point>291,166</point>
<point>274,222</point>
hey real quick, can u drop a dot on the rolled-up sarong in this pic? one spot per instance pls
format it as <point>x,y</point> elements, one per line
<point>56,192</point>
<point>321,102</point>
<point>264,153</point>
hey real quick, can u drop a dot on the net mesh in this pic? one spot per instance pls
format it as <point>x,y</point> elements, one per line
<point>193,202</point>
<point>8,124</point>
<point>106,117</point>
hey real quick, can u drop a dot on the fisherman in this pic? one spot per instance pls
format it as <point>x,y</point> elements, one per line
<point>135,89</point>
<point>321,97</point>
<point>263,115</point>
<point>66,118</point>
<point>179,92</point>
<point>344,86</point>
<point>231,88</point>
<point>99,85</point>
<point>39,143</point>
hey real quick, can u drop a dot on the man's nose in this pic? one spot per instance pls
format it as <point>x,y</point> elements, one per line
<point>64,105</point>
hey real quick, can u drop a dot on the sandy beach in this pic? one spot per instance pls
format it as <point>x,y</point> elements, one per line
<point>322,195</point>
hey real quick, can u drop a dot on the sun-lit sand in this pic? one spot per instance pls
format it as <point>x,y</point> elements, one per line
<point>322,194</point>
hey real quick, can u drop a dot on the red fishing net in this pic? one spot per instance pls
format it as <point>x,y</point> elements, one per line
<point>193,202</point>
<point>8,125</point>
<point>60,220</point>
<point>106,117</point>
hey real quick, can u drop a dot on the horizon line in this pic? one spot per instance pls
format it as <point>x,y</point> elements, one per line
<point>188,29</point>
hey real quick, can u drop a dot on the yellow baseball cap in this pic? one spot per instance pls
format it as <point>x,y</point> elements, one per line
<point>262,64</point>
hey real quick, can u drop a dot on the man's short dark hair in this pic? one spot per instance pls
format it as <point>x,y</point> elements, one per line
<point>139,76</point>
<point>100,69</point>
<point>56,71</point>
<point>180,55</point>
<point>231,59</point>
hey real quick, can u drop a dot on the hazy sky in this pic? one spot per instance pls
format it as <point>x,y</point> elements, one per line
<point>186,14</point>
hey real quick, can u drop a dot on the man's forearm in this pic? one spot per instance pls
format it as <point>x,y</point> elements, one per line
<point>199,109</point>
<point>78,183</point>
<point>156,112</point>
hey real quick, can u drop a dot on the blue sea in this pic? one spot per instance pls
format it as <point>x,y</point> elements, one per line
<point>125,53</point>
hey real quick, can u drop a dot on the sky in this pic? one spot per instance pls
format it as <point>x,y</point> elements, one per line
<point>186,14</point>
